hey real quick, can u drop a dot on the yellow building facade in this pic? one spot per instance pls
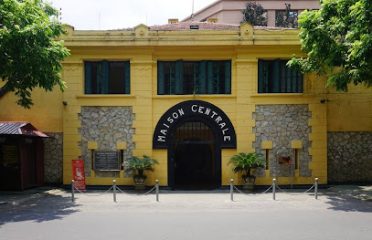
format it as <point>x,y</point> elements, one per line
<point>139,121</point>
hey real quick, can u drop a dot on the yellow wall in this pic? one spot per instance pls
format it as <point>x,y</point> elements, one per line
<point>148,107</point>
<point>144,48</point>
<point>350,111</point>
<point>45,114</point>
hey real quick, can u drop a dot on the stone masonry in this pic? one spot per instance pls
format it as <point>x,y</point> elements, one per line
<point>53,158</point>
<point>106,126</point>
<point>281,124</point>
<point>349,157</point>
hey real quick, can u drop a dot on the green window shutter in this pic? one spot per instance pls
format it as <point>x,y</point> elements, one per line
<point>88,78</point>
<point>99,77</point>
<point>210,77</point>
<point>276,77</point>
<point>195,84</point>
<point>161,82</point>
<point>202,86</point>
<point>172,78</point>
<point>227,77</point>
<point>261,76</point>
<point>282,77</point>
<point>105,78</point>
<point>217,77</point>
<point>127,77</point>
<point>179,77</point>
<point>289,79</point>
<point>267,82</point>
<point>300,82</point>
<point>295,82</point>
<point>284,84</point>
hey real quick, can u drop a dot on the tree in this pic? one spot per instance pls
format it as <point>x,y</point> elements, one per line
<point>30,54</point>
<point>337,39</point>
<point>254,14</point>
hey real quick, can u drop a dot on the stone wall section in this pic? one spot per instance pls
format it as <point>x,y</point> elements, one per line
<point>53,158</point>
<point>281,124</point>
<point>106,126</point>
<point>349,157</point>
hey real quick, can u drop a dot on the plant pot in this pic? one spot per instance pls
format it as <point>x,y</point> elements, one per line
<point>139,182</point>
<point>248,187</point>
<point>249,183</point>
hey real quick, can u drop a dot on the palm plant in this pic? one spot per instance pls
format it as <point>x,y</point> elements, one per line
<point>245,162</point>
<point>138,165</point>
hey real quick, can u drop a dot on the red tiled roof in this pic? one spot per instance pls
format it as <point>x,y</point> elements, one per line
<point>20,128</point>
<point>181,26</point>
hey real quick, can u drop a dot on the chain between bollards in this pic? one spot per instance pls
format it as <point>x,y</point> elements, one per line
<point>232,189</point>
<point>274,188</point>
<point>114,189</point>
<point>157,189</point>
<point>72,190</point>
<point>316,188</point>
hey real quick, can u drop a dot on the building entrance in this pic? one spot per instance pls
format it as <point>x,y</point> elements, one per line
<point>194,132</point>
<point>194,157</point>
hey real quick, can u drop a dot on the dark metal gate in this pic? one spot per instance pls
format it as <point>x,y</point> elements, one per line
<point>194,158</point>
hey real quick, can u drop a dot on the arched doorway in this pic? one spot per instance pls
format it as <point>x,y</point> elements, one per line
<point>194,132</point>
<point>194,157</point>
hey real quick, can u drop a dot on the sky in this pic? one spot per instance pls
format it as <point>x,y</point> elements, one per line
<point>115,14</point>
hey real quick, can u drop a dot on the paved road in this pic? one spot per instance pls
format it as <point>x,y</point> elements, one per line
<point>187,216</point>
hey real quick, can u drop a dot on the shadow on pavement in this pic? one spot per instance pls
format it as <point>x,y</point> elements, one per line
<point>350,198</point>
<point>46,208</point>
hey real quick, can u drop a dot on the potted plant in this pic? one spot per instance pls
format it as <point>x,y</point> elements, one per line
<point>137,166</point>
<point>245,163</point>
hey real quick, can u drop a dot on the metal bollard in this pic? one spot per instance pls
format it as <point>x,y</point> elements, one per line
<point>316,188</point>
<point>114,189</point>
<point>72,190</point>
<point>274,188</point>
<point>157,189</point>
<point>232,189</point>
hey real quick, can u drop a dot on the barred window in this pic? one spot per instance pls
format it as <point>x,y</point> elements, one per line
<point>106,77</point>
<point>275,77</point>
<point>194,77</point>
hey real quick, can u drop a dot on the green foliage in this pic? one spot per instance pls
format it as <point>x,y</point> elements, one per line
<point>244,162</point>
<point>338,42</point>
<point>254,14</point>
<point>30,54</point>
<point>138,165</point>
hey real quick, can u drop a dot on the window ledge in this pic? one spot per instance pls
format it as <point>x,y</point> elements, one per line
<point>194,96</point>
<point>280,95</point>
<point>107,170</point>
<point>91,96</point>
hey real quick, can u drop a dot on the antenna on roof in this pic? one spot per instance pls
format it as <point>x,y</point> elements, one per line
<point>192,13</point>
<point>60,15</point>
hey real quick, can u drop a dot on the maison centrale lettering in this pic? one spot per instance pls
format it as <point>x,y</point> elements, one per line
<point>194,110</point>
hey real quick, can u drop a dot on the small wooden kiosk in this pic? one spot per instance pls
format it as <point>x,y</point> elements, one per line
<point>21,156</point>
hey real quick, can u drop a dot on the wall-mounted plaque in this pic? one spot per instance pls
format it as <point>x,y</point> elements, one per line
<point>106,160</point>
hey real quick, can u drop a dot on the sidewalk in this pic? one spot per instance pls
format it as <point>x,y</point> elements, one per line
<point>9,198</point>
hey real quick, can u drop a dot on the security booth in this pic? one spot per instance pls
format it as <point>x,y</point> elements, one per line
<point>21,156</point>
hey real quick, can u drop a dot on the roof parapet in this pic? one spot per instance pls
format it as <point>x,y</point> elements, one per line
<point>212,20</point>
<point>173,20</point>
